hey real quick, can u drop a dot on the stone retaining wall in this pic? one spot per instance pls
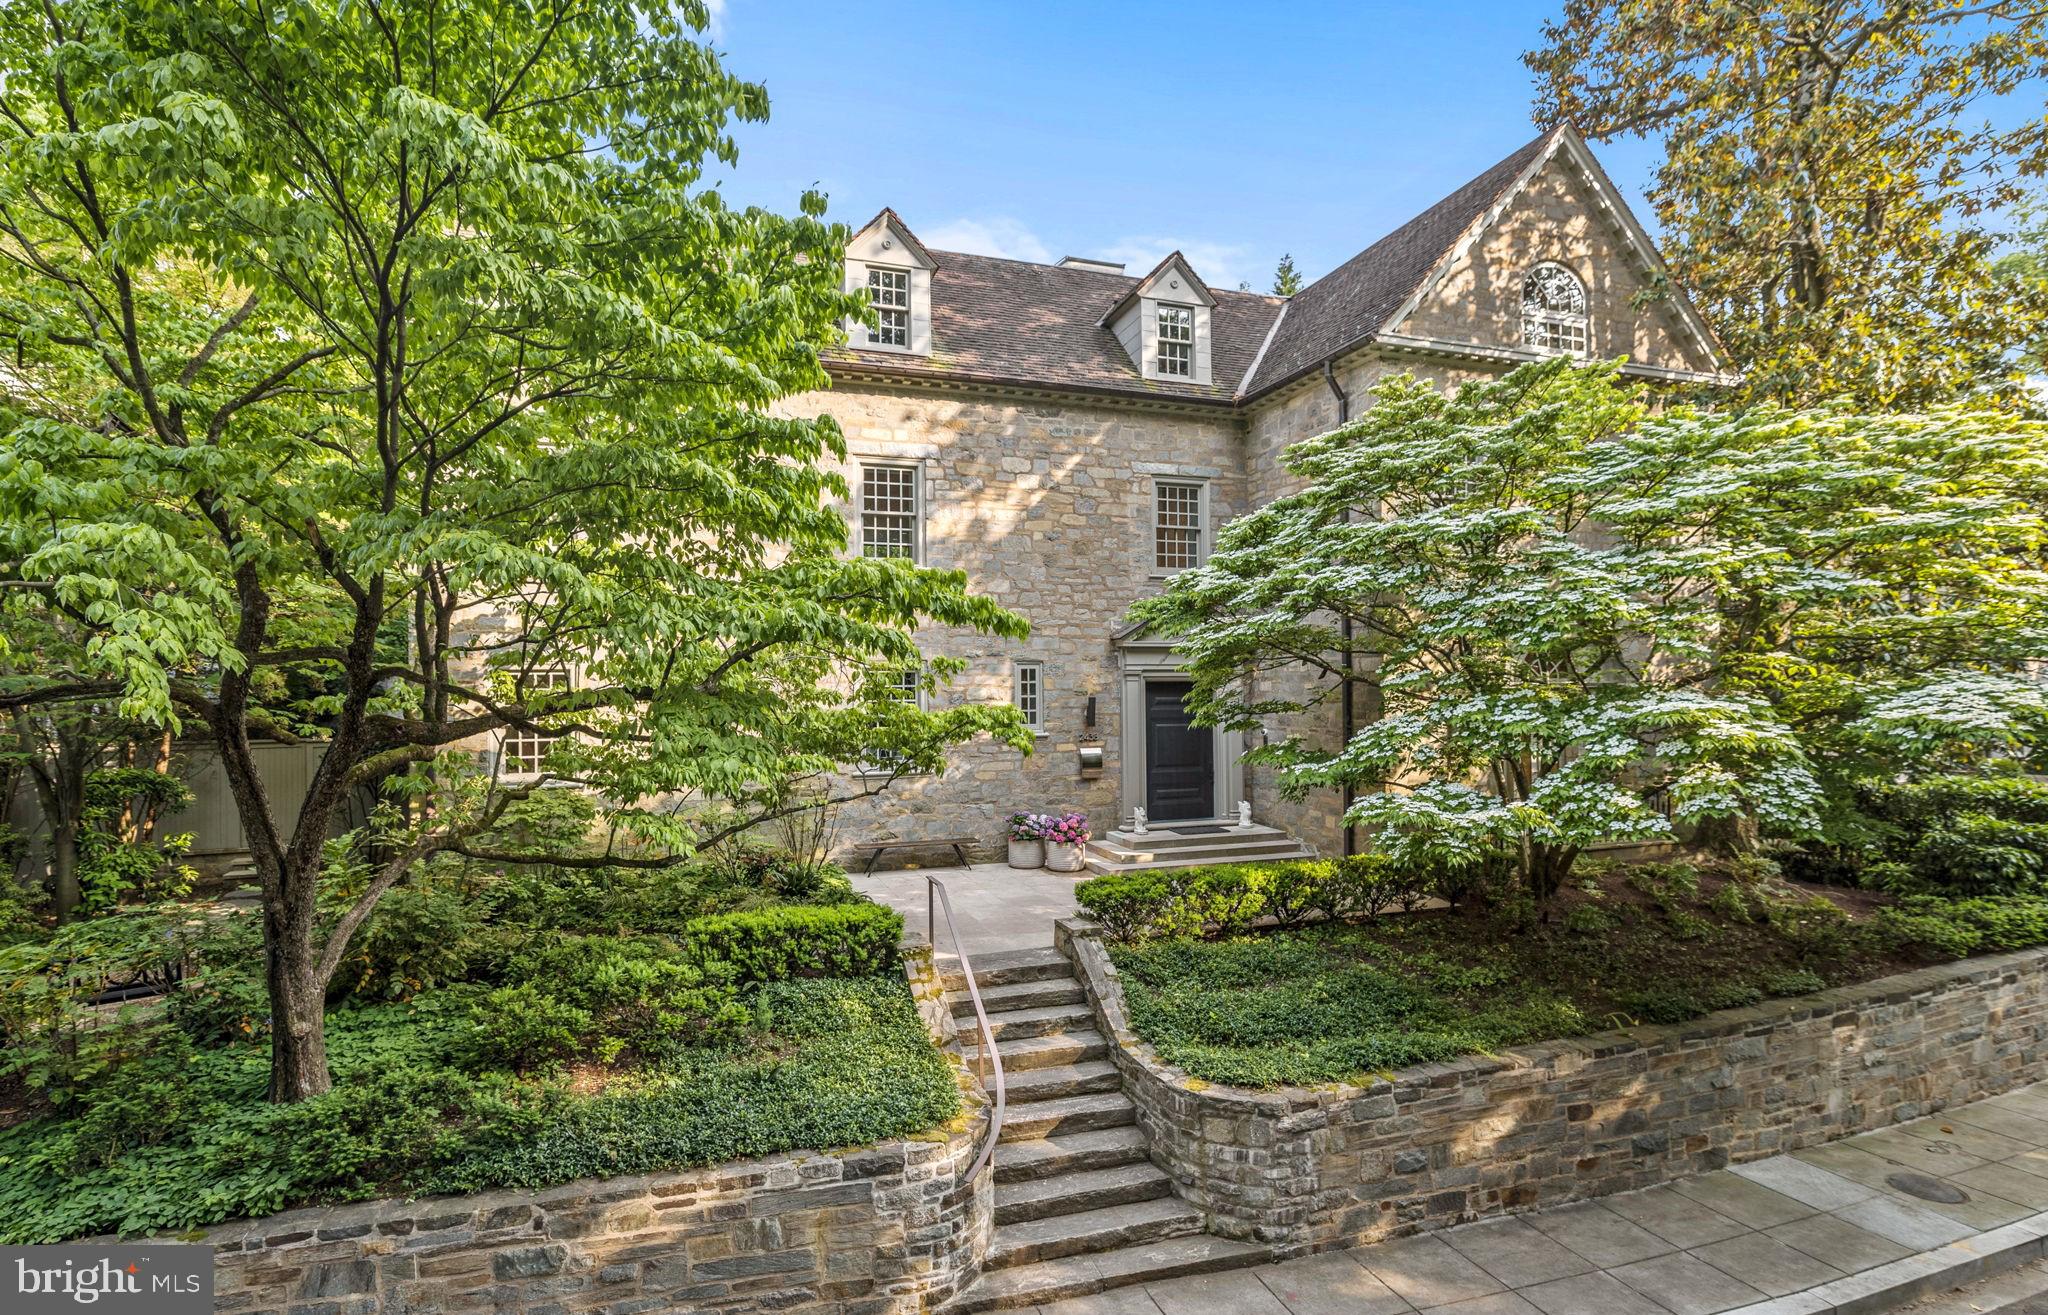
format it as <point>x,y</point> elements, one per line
<point>883,1230</point>
<point>1439,1144</point>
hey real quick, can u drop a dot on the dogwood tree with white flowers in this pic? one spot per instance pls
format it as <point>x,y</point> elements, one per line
<point>1566,609</point>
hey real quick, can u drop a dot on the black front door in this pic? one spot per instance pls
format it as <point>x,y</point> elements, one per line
<point>1180,759</point>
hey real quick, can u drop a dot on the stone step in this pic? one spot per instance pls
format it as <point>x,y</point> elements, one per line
<point>1054,1050</point>
<point>1104,867</point>
<point>1072,1193</point>
<point>1066,1080</point>
<point>1078,1276</point>
<point>1090,1231</point>
<point>1236,850</point>
<point>1050,1020</point>
<point>1044,1118</point>
<point>1004,967</point>
<point>1018,995</point>
<point>1068,1152</point>
<point>1166,838</point>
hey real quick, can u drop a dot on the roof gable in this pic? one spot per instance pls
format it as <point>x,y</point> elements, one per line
<point>887,240</point>
<point>1172,279</point>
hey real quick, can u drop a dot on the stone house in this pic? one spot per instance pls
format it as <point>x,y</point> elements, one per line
<point>1071,435</point>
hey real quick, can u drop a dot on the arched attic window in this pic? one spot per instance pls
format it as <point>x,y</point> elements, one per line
<point>1554,311</point>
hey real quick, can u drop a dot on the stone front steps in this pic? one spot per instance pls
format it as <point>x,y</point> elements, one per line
<point>1197,846</point>
<point>1080,1207</point>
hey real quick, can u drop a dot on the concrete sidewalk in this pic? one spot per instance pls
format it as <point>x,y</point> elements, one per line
<point>1829,1229</point>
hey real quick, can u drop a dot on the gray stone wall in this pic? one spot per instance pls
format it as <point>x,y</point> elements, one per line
<point>1440,1144</point>
<point>1047,506</point>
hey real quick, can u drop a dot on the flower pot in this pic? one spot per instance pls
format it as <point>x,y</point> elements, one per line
<point>1063,858</point>
<point>1027,853</point>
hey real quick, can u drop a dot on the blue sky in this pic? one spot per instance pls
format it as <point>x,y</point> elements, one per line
<point>1233,132</point>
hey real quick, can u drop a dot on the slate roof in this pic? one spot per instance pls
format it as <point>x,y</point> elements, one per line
<point>1011,321</point>
<point>1352,302</point>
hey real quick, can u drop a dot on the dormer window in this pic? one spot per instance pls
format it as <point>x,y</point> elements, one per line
<point>1554,311</point>
<point>1163,323</point>
<point>1177,341</point>
<point>889,295</point>
<point>887,262</point>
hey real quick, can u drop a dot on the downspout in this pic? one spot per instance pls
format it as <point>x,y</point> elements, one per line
<point>1350,792</point>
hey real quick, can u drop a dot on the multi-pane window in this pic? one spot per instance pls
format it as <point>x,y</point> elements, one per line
<point>889,294</point>
<point>1030,694</point>
<point>1176,526</point>
<point>888,511</point>
<point>908,687</point>
<point>1554,311</point>
<point>1177,341</point>
<point>524,748</point>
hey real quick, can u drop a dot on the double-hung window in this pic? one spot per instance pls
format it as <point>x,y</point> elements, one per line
<point>889,296</point>
<point>525,747</point>
<point>1029,695</point>
<point>1177,514</point>
<point>1177,342</point>
<point>890,512</point>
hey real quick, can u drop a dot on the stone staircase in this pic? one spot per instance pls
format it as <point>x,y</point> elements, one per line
<point>1079,1207</point>
<point>1190,846</point>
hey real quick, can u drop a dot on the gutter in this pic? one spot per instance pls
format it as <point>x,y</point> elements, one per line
<point>1350,717</point>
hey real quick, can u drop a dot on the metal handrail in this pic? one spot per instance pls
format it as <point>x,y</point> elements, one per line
<point>987,1047</point>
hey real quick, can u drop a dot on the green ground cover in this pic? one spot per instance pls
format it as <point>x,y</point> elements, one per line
<point>1350,986</point>
<point>495,1030</point>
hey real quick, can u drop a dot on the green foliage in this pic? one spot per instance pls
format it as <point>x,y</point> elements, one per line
<point>1958,928</point>
<point>282,488</point>
<point>1567,602</point>
<point>1830,186</point>
<point>1297,1007</point>
<point>835,940</point>
<point>850,1065</point>
<point>1228,899</point>
<point>1952,835</point>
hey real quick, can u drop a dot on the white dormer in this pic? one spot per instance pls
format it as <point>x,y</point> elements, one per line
<point>886,263</point>
<point>1163,324</point>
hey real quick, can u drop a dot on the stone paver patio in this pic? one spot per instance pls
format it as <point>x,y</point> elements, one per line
<point>1813,1232</point>
<point>998,907</point>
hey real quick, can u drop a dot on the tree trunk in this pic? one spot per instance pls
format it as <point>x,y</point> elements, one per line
<point>298,996</point>
<point>1727,837</point>
<point>65,893</point>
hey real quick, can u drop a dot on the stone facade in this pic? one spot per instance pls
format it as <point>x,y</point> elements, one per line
<point>1047,506</point>
<point>1440,1144</point>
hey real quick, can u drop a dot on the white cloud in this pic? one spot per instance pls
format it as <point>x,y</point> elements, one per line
<point>997,235</point>
<point>1219,264</point>
<point>717,29</point>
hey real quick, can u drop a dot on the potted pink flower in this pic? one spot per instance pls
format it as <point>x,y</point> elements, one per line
<point>1066,837</point>
<point>1027,840</point>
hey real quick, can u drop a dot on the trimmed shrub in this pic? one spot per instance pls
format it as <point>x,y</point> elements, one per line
<point>801,940</point>
<point>1229,899</point>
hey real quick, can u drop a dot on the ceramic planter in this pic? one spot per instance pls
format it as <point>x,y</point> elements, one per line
<point>1063,858</point>
<point>1027,853</point>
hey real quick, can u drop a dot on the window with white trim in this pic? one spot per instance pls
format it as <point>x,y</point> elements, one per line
<point>889,295</point>
<point>1029,695</point>
<point>523,747</point>
<point>908,687</point>
<point>1177,341</point>
<point>1177,514</point>
<point>1554,311</point>
<point>905,686</point>
<point>890,512</point>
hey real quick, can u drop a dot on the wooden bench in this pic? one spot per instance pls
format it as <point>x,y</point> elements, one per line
<point>876,848</point>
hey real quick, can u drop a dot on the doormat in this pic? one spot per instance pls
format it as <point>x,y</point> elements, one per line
<point>1196,830</point>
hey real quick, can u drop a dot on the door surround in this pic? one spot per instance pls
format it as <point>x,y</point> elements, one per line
<point>1144,659</point>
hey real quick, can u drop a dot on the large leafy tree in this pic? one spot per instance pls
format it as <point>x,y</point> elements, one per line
<point>372,363</point>
<point>1831,177</point>
<point>1570,608</point>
